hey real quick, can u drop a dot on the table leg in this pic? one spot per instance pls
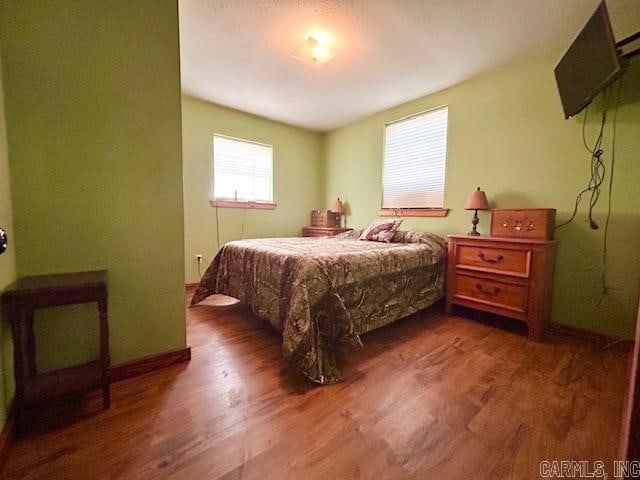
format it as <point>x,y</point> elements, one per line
<point>535,332</point>
<point>32,367</point>
<point>104,352</point>
<point>14,318</point>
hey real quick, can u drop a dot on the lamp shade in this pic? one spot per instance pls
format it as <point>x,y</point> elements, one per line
<point>337,206</point>
<point>477,201</point>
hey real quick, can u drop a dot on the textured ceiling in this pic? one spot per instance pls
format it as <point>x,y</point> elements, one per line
<point>238,53</point>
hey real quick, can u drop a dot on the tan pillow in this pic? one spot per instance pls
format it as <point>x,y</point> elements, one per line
<point>381,230</point>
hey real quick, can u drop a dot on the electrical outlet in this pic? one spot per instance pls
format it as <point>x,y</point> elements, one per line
<point>199,258</point>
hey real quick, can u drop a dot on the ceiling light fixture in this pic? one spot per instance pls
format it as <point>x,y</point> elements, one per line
<point>316,50</point>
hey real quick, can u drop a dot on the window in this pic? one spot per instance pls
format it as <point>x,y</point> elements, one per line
<point>242,172</point>
<point>415,152</point>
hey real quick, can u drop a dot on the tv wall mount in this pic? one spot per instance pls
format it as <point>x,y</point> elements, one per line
<point>630,46</point>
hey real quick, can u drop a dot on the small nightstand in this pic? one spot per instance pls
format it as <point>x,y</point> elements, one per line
<point>512,277</point>
<point>323,231</point>
<point>19,301</point>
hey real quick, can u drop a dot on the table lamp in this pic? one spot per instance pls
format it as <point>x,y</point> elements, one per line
<point>338,207</point>
<point>477,201</point>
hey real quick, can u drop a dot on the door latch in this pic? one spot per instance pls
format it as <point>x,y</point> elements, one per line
<point>4,241</point>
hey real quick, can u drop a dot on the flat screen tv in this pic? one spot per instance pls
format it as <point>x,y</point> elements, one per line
<point>590,65</point>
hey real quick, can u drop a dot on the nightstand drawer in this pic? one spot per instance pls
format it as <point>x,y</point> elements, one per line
<point>494,259</point>
<point>505,295</point>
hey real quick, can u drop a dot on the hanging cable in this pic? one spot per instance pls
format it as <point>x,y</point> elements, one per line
<point>244,216</point>
<point>610,192</point>
<point>598,169</point>
<point>217,231</point>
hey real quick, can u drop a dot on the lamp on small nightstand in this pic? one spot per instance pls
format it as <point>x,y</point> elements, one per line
<point>477,201</point>
<point>338,207</point>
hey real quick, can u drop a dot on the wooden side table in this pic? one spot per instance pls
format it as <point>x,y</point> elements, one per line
<point>19,301</point>
<point>512,277</point>
<point>323,231</point>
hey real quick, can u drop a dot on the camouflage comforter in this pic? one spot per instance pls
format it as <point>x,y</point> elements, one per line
<point>321,293</point>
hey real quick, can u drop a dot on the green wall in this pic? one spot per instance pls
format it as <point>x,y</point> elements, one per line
<point>7,266</point>
<point>92,100</point>
<point>297,180</point>
<point>508,135</point>
<point>93,118</point>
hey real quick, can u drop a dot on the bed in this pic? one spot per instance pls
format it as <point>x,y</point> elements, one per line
<point>321,294</point>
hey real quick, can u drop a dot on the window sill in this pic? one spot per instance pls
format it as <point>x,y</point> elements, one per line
<point>234,204</point>
<point>413,212</point>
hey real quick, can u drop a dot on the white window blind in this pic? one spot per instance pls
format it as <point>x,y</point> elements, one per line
<point>242,170</point>
<point>415,151</point>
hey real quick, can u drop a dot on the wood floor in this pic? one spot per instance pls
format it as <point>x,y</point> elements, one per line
<point>429,397</point>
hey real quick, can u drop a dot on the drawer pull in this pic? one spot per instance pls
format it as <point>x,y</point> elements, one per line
<point>484,258</point>
<point>496,290</point>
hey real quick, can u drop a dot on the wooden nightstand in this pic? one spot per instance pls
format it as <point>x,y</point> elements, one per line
<point>323,231</point>
<point>507,276</point>
<point>19,301</point>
